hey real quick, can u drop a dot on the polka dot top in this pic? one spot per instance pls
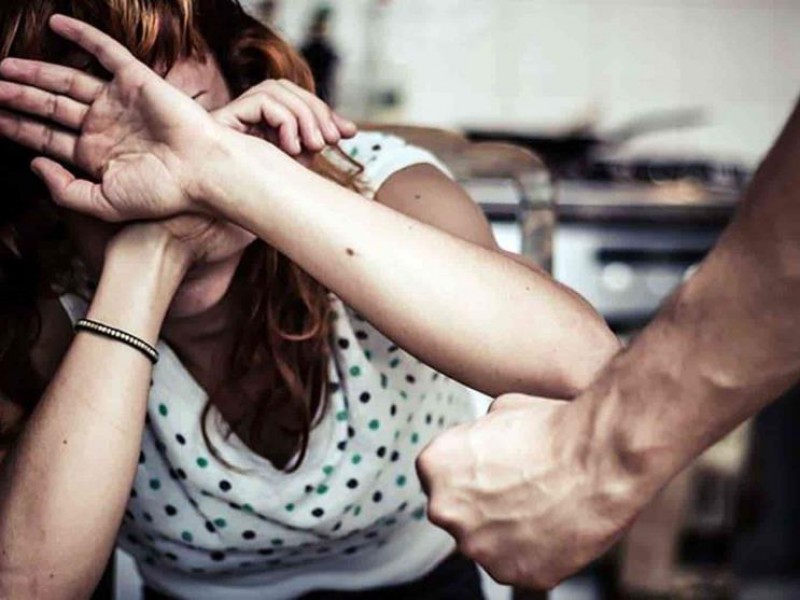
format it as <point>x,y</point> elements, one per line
<point>351,517</point>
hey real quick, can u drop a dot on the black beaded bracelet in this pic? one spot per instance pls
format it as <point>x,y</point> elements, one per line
<point>113,333</point>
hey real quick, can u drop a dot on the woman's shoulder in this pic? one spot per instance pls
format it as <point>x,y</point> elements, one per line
<point>382,155</point>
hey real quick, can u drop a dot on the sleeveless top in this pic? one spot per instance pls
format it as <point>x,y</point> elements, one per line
<point>351,517</point>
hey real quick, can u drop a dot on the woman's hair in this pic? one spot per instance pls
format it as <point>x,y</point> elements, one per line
<point>283,341</point>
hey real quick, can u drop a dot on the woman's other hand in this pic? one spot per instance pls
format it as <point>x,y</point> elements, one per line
<point>144,141</point>
<point>288,116</point>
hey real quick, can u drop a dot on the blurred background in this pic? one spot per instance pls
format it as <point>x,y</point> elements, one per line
<point>610,141</point>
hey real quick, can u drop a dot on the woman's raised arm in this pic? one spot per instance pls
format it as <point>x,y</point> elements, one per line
<point>465,309</point>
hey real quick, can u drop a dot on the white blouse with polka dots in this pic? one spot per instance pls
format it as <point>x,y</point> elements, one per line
<point>351,517</point>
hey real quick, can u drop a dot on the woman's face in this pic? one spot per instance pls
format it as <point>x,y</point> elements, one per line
<point>205,284</point>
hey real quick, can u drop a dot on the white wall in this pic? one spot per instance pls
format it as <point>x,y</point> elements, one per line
<point>550,63</point>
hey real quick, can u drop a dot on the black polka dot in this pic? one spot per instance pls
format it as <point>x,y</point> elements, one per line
<point>170,510</point>
<point>371,535</point>
<point>129,515</point>
<point>162,447</point>
<point>133,540</point>
<point>225,485</point>
<point>352,484</point>
<point>435,376</point>
<point>210,527</point>
<point>389,522</point>
<point>350,431</point>
<point>361,335</point>
<point>411,379</point>
<point>217,556</point>
<point>376,148</point>
<point>147,517</point>
<point>180,439</point>
<point>235,506</point>
<point>377,497</point>
<point>393,348</point>
<point>173,473</point>
<point>249,535</point>
<point>395,456</point>
<point>193,502</point>
<point>333,387</point>
<point>142,458</point>
<point>133,493</point>
<point>206,493</point>
<point>441,421</point>
<point>171,556</point>
<point>381,451</point>
<point>344,343</point>
<point>393,410</point>
<point>318,512</point>
<point>309,489</point>
<point>266,551</point>
<point>342,445</point>
<point>351,550</point>
<point>338,526</point>
<point>428,418</point>
<point>181,473</point>
<point>365,397</point>
<point>402,507</point>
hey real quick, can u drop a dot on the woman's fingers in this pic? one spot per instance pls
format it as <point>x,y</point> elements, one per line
<point>334,127</point>
<point>55,78</point>
<point>111,54</point>
<point>70,192</point>
<point>45,139</point>
<point>53,107</point>
<point>311,132</point>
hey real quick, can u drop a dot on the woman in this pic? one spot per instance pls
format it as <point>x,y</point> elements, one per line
<point>271,450</point>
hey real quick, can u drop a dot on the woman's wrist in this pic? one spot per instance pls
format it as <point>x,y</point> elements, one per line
<point>143,269</point>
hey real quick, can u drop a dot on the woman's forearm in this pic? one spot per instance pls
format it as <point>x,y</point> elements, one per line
<point>461,308</point>
<point>64,484</point>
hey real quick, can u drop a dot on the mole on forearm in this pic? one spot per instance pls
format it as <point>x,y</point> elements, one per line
<point>351,252</point>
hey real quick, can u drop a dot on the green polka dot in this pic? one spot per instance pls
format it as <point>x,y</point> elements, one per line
<point>401,481</point>
<point>155,484</point>
<point>327,469</point>
<point>187,536</point>
<point>396,435</point>
<point>419,514</point>
<point>202,462</point>
<point>341,415</point>
<point>355,370</point>
<point>322,489</point>
<point>414,438</point>
<point>394,362</point>
<point>163,410</point>
<point>384,381</point>
<point>354,152</point>
<point>367,354</point>
<point>247,508</point>
<point>277,542</point>
<point>289,507</point>
<point>220,522</point>
<point>374,424</point>
<point>356,511</point>
<point>356,459</point>
<point>404,396</point>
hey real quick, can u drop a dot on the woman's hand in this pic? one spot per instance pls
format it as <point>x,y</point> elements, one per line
<point>145,142</point>
<point>287,116</point>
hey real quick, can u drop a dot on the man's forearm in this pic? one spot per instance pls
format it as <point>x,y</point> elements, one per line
<point>725,345</point>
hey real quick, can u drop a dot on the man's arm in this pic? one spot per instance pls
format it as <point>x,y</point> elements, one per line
<point>535,491</point>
